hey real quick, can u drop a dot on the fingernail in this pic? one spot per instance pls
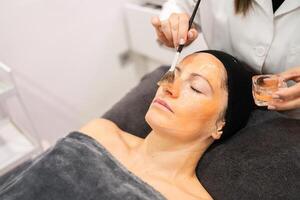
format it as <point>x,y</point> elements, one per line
<point>190,34</point>
<point>275,96</point>
<point>154,20</point>
<point>270,107</point>
<point>181,41</point>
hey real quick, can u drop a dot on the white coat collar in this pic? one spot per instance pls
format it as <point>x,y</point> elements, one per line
<point>266,5</point>
<point>287,6</point>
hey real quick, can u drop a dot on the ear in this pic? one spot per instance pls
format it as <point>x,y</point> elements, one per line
<point>218,133</point>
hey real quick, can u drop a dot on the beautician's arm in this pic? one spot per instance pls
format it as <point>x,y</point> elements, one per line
<point>288,98</point>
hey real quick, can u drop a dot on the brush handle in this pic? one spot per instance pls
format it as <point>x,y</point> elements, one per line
<point>180,47</point>
<point>175,60</point>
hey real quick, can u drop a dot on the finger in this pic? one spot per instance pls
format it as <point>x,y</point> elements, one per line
<point>288,93</point>
<point>291,74</point>
<point>166,29</point>
<point>192,35</point>
<point>183,28</point>
<point>284,105</point>
<point>155,21</point>
<point>161,37</point>
<point>174,24</point>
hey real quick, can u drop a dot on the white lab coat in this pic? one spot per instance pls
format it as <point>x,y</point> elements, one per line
<point>267,42</point>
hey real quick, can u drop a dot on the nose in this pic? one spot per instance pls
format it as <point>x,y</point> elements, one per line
<point>172,89</point>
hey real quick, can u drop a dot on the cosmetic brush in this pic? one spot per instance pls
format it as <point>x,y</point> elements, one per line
<point>170,75</point>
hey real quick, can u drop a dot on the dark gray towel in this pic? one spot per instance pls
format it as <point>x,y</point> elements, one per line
<point>77,167</point>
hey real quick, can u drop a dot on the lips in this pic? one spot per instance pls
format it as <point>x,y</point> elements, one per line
<point>163,103</point>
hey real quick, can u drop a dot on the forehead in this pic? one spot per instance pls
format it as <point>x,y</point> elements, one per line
<point>204,64</point>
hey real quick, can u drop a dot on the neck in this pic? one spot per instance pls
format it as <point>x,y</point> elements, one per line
<point>167,157</point>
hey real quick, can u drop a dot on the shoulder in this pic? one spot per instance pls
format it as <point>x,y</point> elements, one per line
<point>99,124</point>
<point>109,134</point>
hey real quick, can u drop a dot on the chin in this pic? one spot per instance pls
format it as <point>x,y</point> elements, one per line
<point>158,120</point>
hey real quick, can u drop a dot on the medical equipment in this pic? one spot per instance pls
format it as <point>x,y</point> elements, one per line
<point>169,76</point>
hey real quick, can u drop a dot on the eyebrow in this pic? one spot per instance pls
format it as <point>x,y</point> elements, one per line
<point>198,75</point>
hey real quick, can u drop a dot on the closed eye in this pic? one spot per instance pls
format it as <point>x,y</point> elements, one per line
<point>195,90</point>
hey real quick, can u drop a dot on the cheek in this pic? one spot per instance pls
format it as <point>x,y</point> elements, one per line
<point>197,105</point>
<point>197,114</point>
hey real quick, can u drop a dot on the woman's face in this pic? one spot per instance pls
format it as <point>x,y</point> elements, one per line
<point>192,106</point>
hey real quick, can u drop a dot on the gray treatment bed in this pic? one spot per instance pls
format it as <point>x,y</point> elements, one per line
<point>261,161</point>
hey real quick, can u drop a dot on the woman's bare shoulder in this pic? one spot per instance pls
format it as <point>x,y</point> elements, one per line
<point>99,124</point>
<point>109,134</point>
<point>100,128</point>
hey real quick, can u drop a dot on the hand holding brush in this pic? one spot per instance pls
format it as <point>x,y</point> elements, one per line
<point>170,75</point>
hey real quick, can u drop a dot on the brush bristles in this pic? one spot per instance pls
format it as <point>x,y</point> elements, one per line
<point>168,77</point>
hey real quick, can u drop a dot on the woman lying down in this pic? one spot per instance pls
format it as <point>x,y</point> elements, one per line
<point>209,100</point>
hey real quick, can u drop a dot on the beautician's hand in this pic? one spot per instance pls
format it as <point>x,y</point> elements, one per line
<point>174,30</point>
<point>287,98</point>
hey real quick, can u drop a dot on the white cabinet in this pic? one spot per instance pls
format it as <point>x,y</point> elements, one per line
<point>142,38</point>
<point>18,140</point>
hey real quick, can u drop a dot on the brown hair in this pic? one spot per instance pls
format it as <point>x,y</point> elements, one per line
<point>242,6</point>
